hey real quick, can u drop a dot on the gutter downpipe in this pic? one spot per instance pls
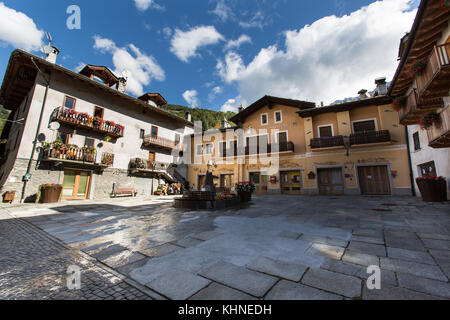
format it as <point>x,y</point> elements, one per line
<point>30,161</point>
<point>411,175</point>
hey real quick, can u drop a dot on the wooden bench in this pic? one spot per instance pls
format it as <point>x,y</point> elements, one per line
<point>117,190</point>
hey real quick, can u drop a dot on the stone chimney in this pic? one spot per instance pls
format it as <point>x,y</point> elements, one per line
<point>189,117</point>
<point>241,108</point>
<point>225,124</point>
<point>51,56</point>
<point>122,85</point>
<point>381,86</point>
<point>363,94</point>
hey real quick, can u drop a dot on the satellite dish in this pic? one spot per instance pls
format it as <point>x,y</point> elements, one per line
<point>49,37</point>
<point>54,126</point>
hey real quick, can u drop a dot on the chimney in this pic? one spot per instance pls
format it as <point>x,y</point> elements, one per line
<point>189,117</point>
<point>122,85</point>
<point>51,56</point>
<point>321,103</point>
<point>362,94</point>
<point>225,124</point>
<point>241,108</point>
<point>381,86</point>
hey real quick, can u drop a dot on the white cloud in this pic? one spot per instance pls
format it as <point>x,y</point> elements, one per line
<point>79,66</point>
<point>190,96</point>
<point>141,68</point>
<point>238,42</point>
<point>214,92</point>
<point>19,30</point>
<point>222,11</point>
<point>143,5</point>
<point>233,104</point>
<point>185,44</point>
<point>331,59</point>
<point>167,31</point>
<point>257,21</point>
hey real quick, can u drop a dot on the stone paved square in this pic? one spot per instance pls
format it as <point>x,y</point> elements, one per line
<point>277,247</point>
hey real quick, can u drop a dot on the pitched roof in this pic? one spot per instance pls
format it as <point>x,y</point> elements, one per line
<point>102,72</point>
<point>269,100</point>
<point>346,106</point>
<point>14,88</point>
<point>430,21</point>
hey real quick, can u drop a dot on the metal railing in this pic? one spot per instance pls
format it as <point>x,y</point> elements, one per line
<point>370,137</point>
<point>72,153</point>
<point>142,164</point>
<point>259,149</point>
<point>327,142</point>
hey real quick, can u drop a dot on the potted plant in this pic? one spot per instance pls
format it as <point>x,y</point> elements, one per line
<point>97,121</point>
<point>50,193</point>
<point>107,139</point>
<point>245,190</point>
<point>429,119</point>
<point>417,67</point>
<point>432,189</point>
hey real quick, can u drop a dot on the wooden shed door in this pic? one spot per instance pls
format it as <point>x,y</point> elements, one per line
<point>374,180</point>
<point>331,181</point>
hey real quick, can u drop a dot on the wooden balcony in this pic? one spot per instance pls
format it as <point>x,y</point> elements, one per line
<point>271,148</point>
<point>67,153</point>
<point>327,142</point>
<point>434,81</point>
<point>412,111</point>
<point>107,159</point>
<point>142,164</point>
<point>87,122</point>
<point>439,134</point>
<point>158,142</point>
<point>370,137</point>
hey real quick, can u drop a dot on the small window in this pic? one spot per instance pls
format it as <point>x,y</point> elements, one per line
<point>428,169</point>
<point>177,139</point>
<point>89,142</point>
<point>364,126</point>
<point>154,131</point>
<point>264,119</point>
<point>325,131</point>
<point>69,102</point>
<point>278,117</point>
<point>63,137</point>
<point>416,141</point>
<point>98,112</point>
<point>208,148</point>
<point>142,134</point>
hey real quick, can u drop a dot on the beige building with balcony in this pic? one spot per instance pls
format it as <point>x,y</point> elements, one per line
<point>83,131</point>
<point>293,147</point>
<point>421,86</point>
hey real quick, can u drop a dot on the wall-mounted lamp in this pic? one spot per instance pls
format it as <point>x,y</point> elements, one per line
<point>344,123</point>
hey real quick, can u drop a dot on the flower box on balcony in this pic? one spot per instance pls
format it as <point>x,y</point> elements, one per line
<point>432,189</point>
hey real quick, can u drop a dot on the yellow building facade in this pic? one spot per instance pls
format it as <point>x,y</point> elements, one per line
<point>292,147</point>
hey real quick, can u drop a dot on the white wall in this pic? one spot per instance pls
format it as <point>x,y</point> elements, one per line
<point>115,109</point>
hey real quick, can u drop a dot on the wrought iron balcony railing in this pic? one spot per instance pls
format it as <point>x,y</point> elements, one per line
<point>327,142</point>
<point>70,153</point>
<point>370,137</point>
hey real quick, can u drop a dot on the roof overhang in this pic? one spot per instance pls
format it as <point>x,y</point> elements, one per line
<point>102,72</point>
<point>270,101</point>
<point>155,97</point>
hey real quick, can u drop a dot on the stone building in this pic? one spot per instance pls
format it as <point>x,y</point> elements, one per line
<point>421,87</point>
<point>83,131</point>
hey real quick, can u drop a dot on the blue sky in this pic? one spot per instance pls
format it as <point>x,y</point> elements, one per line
<point>218,54</point>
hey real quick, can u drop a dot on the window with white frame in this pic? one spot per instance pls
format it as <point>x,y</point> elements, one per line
<point>264,119</point>
<point>208,149</point>
<point>278,117</point>
<point>360,126</point>
<point>325,131</point>
<point>199,150</point>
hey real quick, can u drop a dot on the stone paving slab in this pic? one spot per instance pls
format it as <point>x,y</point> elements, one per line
<point>104,253</point>
<point>188,242</point>
<point>285,270</point>
<point>160,251</point>
<point>287,290</point>
<point>363,259</point>
<point>333,282</point>
<point>289,234</point>
<point>251,282</point>
<point>178,284</point>
<point>123,258</point>
<point>394,293</point>
<point>324,240</point>
<point>208,235</point>
<point>428,286</point>
<point>216,291</point>
<point>408,241</point>
<point>409,255</point>
<point>418,269</point>
<point>374,240</point>
<point>367,232</point>
<point>436,244</point>
<point>436,236</point>
<point>368,248</point>
<point>325,250</point>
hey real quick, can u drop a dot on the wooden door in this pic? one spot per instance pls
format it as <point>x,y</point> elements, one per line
<point>260,181</point>
<point>76,185</point>
<point>151,159</point>
<point>331,181</point>
<point>226,181</point>
<point>290,182</point>
<point>374,180</point>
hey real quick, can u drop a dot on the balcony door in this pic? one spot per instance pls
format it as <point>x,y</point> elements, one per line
<point>151,158</point>
<point>76,185</point>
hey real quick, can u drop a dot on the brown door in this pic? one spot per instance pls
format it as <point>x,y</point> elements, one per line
<point>290,182</point>
<point>331,181</point>
<point>151,159</point>
<point>260,181</point>
<point>75,185</point>
<point>226,181</point>
<point>374,180</point>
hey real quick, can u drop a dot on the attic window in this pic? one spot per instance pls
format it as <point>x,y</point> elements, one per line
<point>264,119</point>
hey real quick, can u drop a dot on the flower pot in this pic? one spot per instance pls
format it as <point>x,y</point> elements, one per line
<point>433,191</point>
<point>9,196</point>
<point>50,194</point>
<point>245,196</point>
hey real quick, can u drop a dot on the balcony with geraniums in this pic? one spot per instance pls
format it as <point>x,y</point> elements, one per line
<point>85,121</point>
<point>437,124</point>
